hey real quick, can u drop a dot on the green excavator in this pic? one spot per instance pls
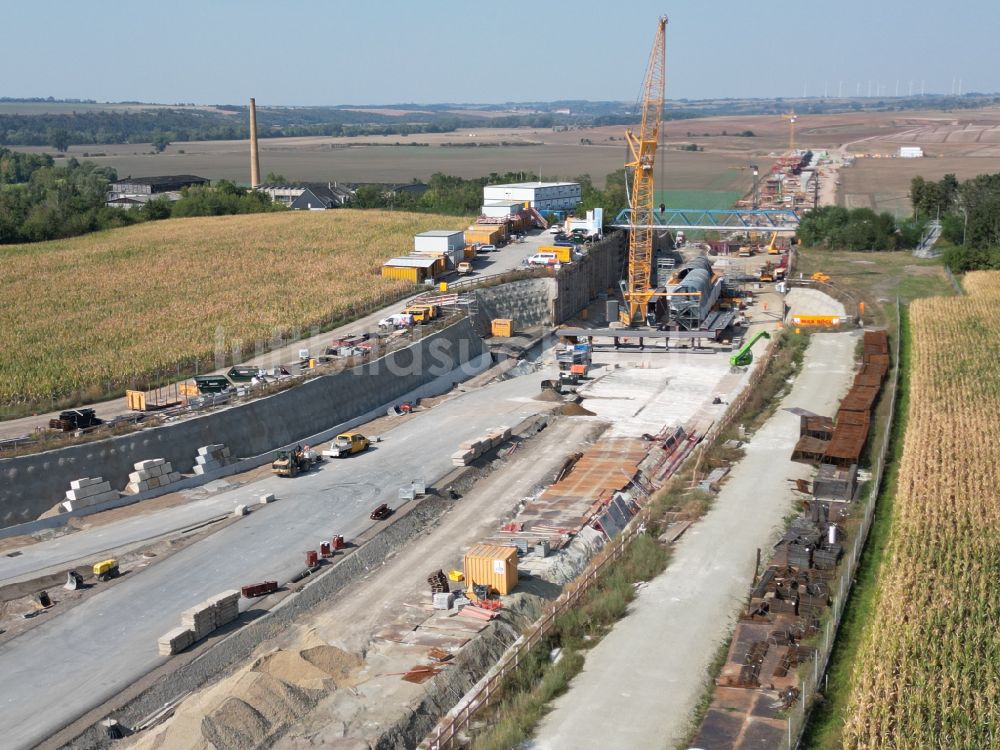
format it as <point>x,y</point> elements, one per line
<point>744,356</point>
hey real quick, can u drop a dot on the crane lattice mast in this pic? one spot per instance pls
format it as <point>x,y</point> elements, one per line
<point>642,155</point>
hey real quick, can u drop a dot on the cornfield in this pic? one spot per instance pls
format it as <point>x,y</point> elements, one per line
<point>90,316</point>
<point>928,671</point>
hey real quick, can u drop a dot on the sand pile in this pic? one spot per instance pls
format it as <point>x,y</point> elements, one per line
<point>259,705</point>
<point>342,666</point>
<point>290,667</point>
<point>249,708</point>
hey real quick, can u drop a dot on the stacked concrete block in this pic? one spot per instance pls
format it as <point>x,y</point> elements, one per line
<point>226,606</point>
<point>175,641</point>
<point>150,474</point>
<point>88,491</point>
<point>470,450</point>
<point>211,457</point>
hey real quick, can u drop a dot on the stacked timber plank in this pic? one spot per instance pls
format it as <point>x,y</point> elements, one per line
<point>88,491</point>
<point>211,457</point>
<point>175,641</point>
<point>150,474</point>
<point>201,620</point>
<point>470,450</point>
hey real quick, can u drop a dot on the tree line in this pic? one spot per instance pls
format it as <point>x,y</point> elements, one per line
<point>970,217</point>
<point>40,201</point>
<point>857,229</point>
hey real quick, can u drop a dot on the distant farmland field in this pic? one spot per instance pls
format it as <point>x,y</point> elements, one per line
<point>380,159</point>
<point>90,316</point>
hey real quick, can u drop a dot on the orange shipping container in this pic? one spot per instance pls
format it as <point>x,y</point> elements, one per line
<point>493,566</point>
<point>503,327</point>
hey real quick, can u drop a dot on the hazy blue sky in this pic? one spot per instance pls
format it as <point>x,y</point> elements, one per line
<point>344,51</point>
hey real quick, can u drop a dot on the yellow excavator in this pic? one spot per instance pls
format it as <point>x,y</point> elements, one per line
<point>772,246</point>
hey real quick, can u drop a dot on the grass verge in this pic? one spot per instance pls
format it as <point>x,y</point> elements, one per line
<point>823,731</point>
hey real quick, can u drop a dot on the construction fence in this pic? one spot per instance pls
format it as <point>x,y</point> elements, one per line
<point>840,586</point>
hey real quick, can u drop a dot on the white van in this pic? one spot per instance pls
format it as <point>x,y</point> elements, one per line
<point>543,259</point>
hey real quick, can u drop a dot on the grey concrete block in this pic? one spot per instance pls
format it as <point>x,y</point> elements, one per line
<point>265,499</point>
<point>77,484</point>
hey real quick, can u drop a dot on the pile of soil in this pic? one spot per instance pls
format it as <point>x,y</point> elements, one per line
<point>342,666</point>
<point>575,410</point>
<point>548,395</point>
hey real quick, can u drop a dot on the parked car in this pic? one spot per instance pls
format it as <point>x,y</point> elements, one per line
<point>555,229</point>
<point>487,248</point>
<point>543,259</point>
<point>464,268</point>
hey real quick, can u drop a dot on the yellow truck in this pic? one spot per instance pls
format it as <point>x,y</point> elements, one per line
<point>423,313</point>
<point>347,444</point>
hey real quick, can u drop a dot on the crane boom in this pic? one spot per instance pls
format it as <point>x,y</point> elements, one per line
<point>642,155</point>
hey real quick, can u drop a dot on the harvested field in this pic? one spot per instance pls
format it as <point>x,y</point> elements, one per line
<point>90,316</point>
<point>884,184</point>
<point>926,673</point>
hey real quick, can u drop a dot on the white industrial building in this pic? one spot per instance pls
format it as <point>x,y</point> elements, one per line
<point>910,152</point>
<point>542,196</point>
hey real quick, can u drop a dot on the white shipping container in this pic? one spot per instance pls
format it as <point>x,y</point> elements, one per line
<point>439,241</point>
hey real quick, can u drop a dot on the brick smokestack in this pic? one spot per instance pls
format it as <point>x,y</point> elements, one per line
<point>254,156</point>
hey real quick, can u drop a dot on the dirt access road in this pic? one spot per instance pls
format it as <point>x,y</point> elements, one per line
<point>649,671</point>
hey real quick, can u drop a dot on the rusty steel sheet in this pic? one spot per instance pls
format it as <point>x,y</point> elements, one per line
<point>847,444</point>
<point>809,449</point>
<point>394,633</point>
<point>606,467</point>
<point>859,398</point>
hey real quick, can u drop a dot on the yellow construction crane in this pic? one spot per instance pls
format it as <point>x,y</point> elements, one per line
<point>642,155</point>
<point>791,117</point>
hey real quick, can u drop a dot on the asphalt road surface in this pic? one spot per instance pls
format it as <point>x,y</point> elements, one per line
<point>79,658</point>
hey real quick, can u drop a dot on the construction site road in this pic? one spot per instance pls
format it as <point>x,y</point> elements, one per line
<point>81,657</point>
<point>509,258</point>
<point>648,673</point>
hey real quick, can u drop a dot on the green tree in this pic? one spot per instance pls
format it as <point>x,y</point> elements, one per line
<point>59,140</point>
<point>160,142</point>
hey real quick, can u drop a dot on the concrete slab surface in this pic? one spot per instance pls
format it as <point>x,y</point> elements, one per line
<point>649,671</point>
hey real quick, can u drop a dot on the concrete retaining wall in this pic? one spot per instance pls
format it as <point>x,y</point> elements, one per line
<point>579,283</point>
<point>30,485</point>
<point>527,302</point>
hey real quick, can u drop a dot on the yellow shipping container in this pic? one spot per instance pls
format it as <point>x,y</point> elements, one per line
<point>415,275</point>
<point>484,235</point>
<point>503,327</point>
<point>493,566</point>
<point>563,253</point>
